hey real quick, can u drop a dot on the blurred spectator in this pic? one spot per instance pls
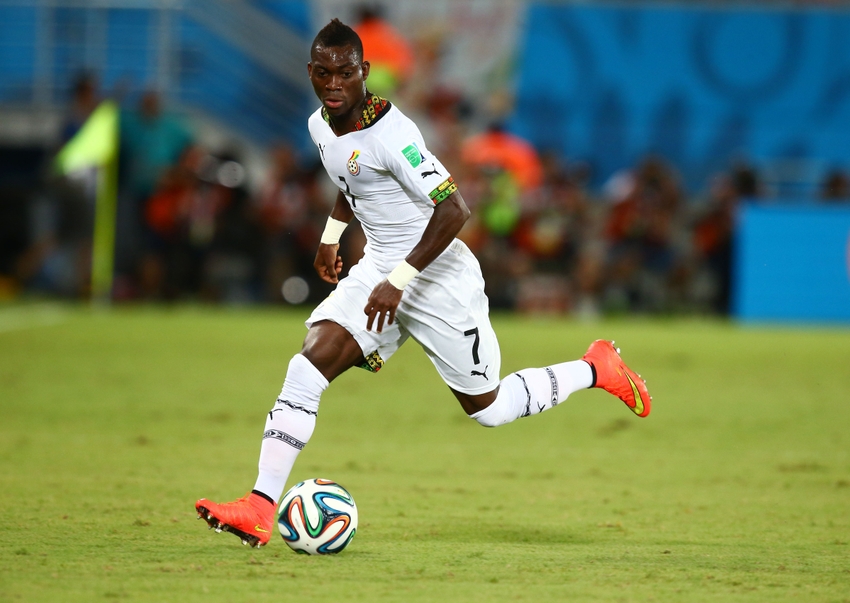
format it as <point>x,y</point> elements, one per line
<point>544,244</point>
<point>58,260</point>
<point>168,262</point>
<point>445,115</point>
<point>232,268</point>
<point>497,148</point>
<point>713,238</point>
<point>204,239</point>
<point>388,52</point>
<point>836,187</point>
<point>494,199</point>
<point>642,257</point>
<point>552,230</point>
<point>745,181</point>
<point>292,216</point>
<point>501,207</point>
<point>152,141</point>
<point>84,99</point>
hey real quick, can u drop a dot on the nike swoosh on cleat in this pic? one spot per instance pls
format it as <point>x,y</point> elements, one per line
<point>259,529</point>
<point>638,400</point>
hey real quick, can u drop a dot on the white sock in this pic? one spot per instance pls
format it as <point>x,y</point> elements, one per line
<point>289,425</point>
<point>531,391</point>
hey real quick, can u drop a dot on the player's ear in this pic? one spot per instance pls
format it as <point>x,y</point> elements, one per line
<point>309,69</point>
<point>365,66</point>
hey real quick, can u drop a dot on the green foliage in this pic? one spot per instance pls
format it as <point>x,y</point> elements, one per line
<point>735,488</point>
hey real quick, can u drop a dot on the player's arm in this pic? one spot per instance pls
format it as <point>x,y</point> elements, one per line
<point>448,218</point>
<point>328,262</point>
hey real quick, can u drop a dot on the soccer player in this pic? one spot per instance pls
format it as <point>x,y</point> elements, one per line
<point>415,280</point>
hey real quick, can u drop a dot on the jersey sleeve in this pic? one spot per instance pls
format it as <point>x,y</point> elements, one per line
<point>410,161</point>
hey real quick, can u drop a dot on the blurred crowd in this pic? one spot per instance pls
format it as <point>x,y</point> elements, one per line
<point>193,225</point>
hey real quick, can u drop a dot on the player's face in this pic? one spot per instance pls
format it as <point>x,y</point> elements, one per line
<point>339,79</point>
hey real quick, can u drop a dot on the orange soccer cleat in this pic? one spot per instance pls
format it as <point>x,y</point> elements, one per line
<point>251,517</point>
<point>611,374</point>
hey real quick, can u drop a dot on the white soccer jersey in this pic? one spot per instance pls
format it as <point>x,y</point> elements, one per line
<point>391,180</point>
<point>392,183</point>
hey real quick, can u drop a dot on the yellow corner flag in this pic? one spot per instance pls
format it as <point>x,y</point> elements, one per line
<point>95,145</point>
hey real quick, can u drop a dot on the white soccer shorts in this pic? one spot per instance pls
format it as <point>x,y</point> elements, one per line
<point>444,309</point>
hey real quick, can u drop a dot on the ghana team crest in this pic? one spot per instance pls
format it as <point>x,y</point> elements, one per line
<point>353,166</point>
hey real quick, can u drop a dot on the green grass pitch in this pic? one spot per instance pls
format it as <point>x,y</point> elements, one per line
<point>735,488</point>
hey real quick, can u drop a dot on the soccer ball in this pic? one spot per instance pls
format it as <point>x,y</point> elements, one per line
<point>318,517</point>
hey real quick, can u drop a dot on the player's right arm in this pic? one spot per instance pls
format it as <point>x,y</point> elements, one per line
<point>328,263</point>
<point>445,223</point>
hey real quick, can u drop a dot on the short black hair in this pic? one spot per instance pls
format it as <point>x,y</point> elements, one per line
<point>336,34</point>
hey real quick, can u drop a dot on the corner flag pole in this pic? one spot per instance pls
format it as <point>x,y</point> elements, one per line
<point>95,145</point>
<point>103,243</point>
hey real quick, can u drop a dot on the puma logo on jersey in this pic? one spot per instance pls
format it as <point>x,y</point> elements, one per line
<point>434,171</point>
<point>474,373</point>
<point>322,150</point>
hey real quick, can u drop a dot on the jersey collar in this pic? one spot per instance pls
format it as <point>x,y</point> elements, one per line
<point>376,107</point>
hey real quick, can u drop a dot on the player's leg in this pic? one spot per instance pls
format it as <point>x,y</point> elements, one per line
<point>449,315</point>
<point>336,341</point>
<point>468,360</point>
<point>531,391</point>
<point>328,351</point>
<point>526,392</point>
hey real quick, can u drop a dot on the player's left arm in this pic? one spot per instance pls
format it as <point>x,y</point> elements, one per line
<point>448,218</point>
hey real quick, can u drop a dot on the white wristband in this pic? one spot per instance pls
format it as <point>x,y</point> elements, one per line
<point>333,231</point>
<point>402,275</point>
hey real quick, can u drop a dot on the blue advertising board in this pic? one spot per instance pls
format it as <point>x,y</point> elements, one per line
<point>700,85</point>
<point>792,263</point>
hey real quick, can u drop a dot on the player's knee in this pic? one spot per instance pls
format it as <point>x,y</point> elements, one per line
<point>486,419</point>
<point>331,349</point>
<point>492,416</point>
<point>498,412</point>
<point>503,408</point>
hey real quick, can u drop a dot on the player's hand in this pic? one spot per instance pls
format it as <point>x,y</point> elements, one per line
<point>382,303</point>
<point>328,264</point>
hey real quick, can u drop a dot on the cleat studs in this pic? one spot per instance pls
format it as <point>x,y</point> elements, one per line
<point>244,542</point>
<point>218,530</point>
